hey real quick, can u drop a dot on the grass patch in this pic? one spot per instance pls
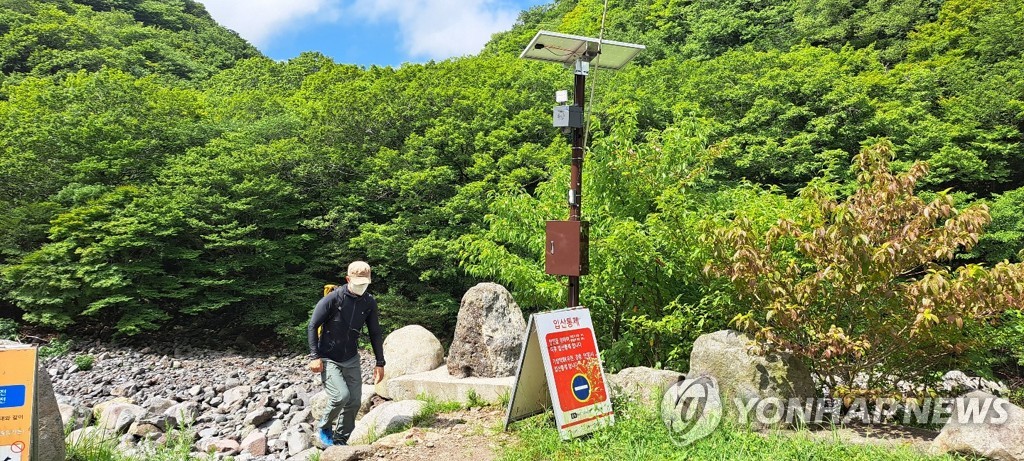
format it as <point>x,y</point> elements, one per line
<point>639,434</point>
<point>474,400</point>
<point>84,362</point>
<point>104,448</point>
<point>434,407</point>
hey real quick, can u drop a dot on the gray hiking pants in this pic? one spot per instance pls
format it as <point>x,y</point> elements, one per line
<point>344,384</point>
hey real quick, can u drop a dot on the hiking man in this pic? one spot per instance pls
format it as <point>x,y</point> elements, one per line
<point>335,351</point>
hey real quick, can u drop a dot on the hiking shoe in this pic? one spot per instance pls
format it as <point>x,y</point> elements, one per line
<point>325,437</point>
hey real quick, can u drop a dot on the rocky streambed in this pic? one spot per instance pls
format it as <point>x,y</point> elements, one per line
<point>248,405</point>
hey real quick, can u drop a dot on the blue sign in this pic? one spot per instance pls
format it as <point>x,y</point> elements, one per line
<point>12,396</point>
<point>580,388</point>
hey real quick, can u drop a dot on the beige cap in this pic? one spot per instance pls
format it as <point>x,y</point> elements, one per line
<point>359,272</point>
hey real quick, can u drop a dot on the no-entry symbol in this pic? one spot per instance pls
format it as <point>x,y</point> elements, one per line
<point>580,388</point>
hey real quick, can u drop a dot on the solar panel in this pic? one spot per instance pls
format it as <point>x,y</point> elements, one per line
<point>566,49</point>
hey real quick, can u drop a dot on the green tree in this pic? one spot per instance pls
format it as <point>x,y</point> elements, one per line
<point>858,289</point>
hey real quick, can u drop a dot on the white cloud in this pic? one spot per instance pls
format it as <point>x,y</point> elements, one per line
<point>439,29</point>
<point>258,20</point>
<point>428,29</point>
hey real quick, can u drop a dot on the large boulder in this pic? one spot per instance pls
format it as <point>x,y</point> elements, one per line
<point>410,349</point>
<point>99,408</point>
<point>745,372</point>
<point>75,417</point>
<point>49,441</point>
<point>488,334</point>
<point>691,409</point>
<point>118,417</point>
<point>181,414</point>
<point>642,384</point>
<point>87,436</point>
<point>383,419</point>
<point>982,424</point>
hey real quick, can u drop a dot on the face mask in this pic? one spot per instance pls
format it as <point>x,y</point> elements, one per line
<point>357,290</point>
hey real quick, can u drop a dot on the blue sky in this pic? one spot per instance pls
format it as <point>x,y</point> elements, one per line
<point>365,32</point>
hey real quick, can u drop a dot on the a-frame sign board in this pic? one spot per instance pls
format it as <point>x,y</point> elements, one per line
<point>560,368</point>
<point>18,402</point>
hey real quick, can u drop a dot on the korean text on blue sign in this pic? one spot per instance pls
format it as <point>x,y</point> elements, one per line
<point>12,396</point>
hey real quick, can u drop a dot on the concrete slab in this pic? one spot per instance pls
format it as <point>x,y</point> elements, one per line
<point>444,387</point>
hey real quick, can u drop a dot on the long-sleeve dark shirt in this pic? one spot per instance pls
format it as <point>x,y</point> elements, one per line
<point>342,315</point>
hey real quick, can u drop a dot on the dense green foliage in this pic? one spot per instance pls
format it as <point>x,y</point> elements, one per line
<point>174,38</point>
<point>155,171</point>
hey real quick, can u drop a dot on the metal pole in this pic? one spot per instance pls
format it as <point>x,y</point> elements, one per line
<point>576,177</point>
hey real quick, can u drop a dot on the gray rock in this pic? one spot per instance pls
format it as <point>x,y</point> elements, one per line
<point>260,416</point>
<point>957,382</point>
<point>410,349</point>
<point>642,384</point>
<point>181,414</point>
<point>158,405</point>
<point>488,334</point>
<point>385,418</point>
<point>98,409</point>
<point>346,453</point>
<point>119,417</point>
<point>276,428</point>
<point>236,394</point>
<point>300,416</point>
<point>73,416</point>
<point>278,445</point>
<point>288,394</point>
<point>86,435</point>
<point>255,443</point>
<point>207,433</point>
<point>306,455</point>
<point>366,398</point>
<point>160,421</point>
<point>996,431</point>
<point>221,446</point>
<point>144,430</point>
<point>318,405</point>
<point>298,441</point>
<point>125,389</point>
<point>744,373</point>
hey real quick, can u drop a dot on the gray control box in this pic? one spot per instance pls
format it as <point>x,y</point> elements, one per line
<point>568,117</point>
